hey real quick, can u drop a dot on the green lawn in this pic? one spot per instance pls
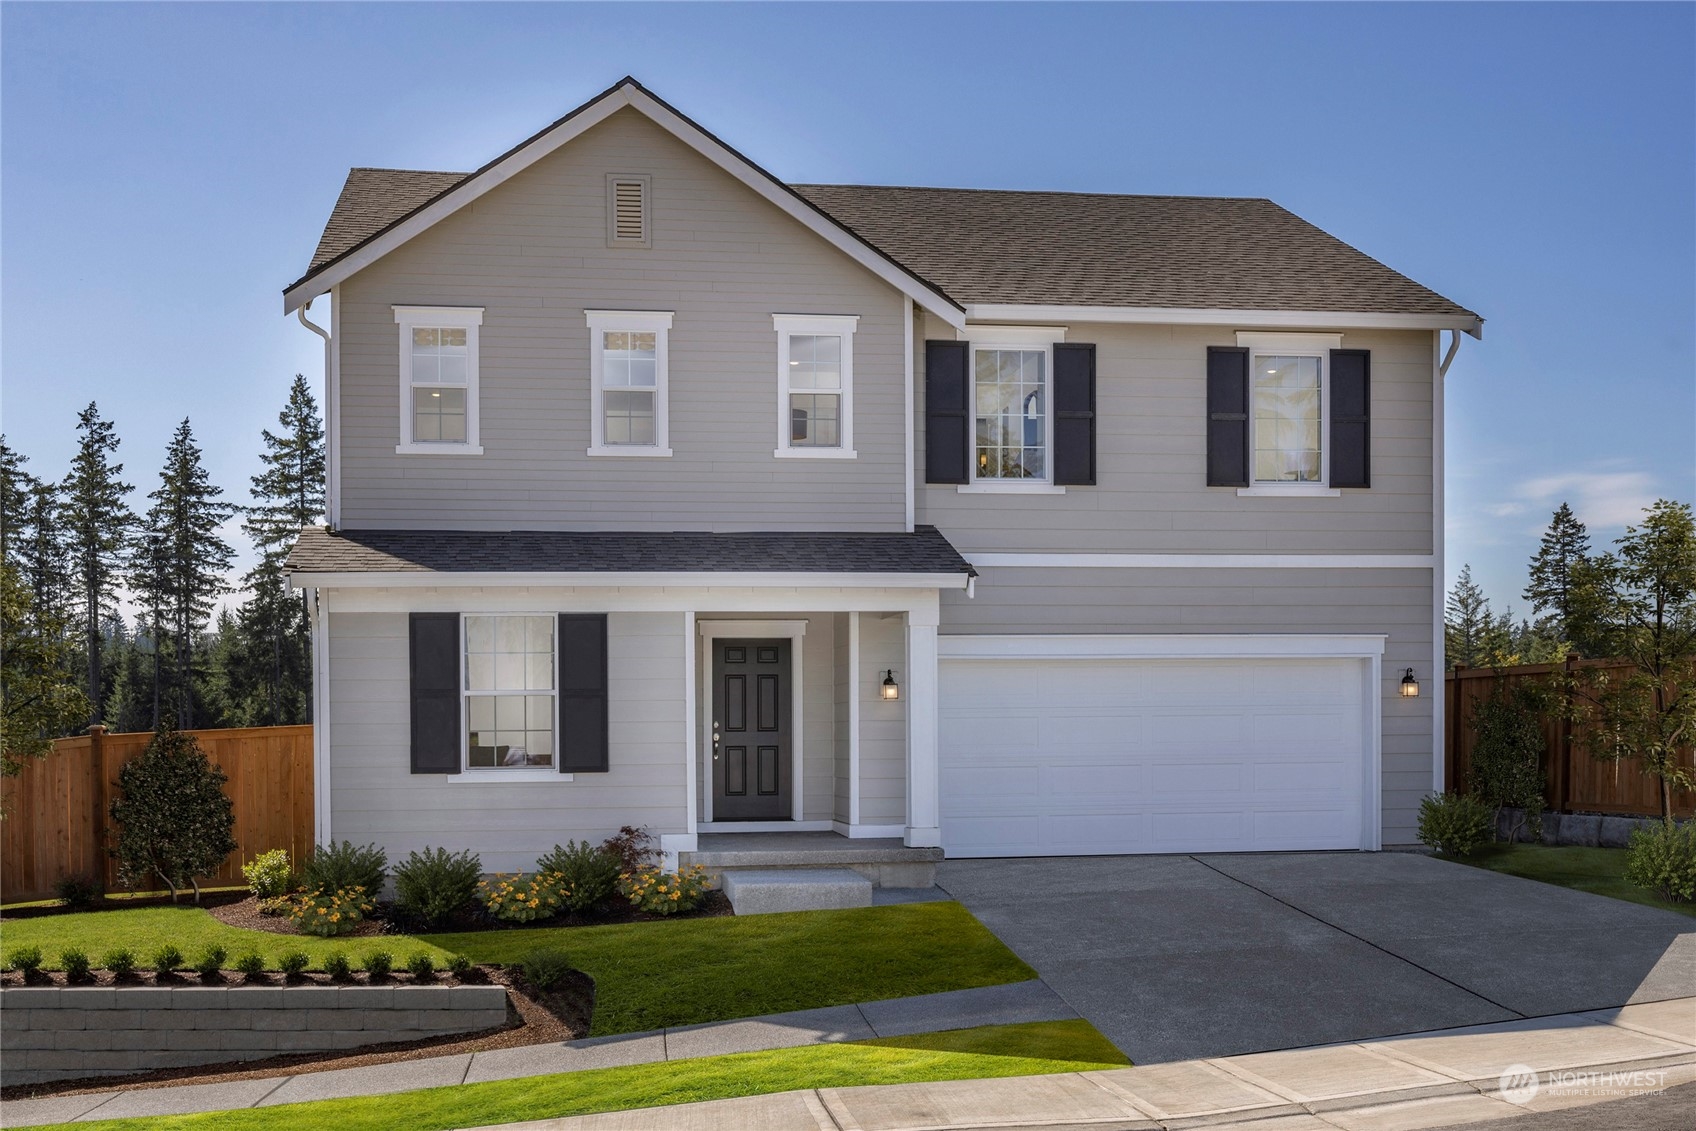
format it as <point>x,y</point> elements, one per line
<point>963,1054</point>
<point>1597,870</point>
<point>647,975</point>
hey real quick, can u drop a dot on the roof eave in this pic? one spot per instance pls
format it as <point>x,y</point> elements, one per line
<point>414,579</point>
<point>627,93</point>
<point>1462,321</point>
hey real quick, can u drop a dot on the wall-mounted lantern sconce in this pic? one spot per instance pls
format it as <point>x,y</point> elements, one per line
<point>1410,686</point>
<point>891,689</point>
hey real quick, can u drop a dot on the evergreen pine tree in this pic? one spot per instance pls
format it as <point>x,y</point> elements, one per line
<point>1557,574</point>
<point>184,559</point>
<point>270,669</point>
<point>97,521</point>
<point>1473,635</point>
<point>16,486</point>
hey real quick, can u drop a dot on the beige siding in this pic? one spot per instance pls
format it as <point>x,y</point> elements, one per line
<point>1393,602</point>
<point>374,798</point>
<point>1151,494</point>
<point>883,725</point>
<point>533,253</point>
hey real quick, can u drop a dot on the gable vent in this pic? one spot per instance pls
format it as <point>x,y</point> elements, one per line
<point>627,211</point>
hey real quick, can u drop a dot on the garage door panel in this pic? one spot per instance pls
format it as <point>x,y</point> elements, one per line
<point>1063,757</point>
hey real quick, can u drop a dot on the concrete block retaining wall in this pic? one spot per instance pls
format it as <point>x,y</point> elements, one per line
<point>68,1032</point>
<point>1589,830</point>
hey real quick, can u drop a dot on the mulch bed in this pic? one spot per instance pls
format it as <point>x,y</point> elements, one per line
<point>533,1018</point>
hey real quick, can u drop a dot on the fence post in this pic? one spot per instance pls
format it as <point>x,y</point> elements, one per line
<point>97,795</point>
<point>1563,776</point>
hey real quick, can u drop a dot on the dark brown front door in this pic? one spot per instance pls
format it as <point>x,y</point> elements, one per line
<point>751,730</point>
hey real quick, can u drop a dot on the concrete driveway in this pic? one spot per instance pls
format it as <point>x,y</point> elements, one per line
<point>1178,957</point>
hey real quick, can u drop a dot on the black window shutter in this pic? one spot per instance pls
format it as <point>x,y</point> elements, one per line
<point>433,641</point>
<point>1074,414</point>
<point>948,410</point>
<point>583,693</point>
<point>1227,417</point>
<point>1351,418</point>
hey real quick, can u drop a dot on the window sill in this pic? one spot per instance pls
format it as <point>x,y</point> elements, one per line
<point>1291,491</point>
<point>438,449</point>
<point>491,777</point>
<point>1012,487</point>
<point>814,453</point>
<point>630,451</point>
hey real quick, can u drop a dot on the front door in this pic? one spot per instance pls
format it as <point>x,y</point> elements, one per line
<point>751,731</point>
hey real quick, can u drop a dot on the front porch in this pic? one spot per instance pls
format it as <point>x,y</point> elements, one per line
<point>885,861</point>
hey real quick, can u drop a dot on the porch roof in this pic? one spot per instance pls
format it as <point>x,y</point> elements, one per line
<point>925,551</point>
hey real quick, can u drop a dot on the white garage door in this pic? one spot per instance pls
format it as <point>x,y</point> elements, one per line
<point>1047,757</point>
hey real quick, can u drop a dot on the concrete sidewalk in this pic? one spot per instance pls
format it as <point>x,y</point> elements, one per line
<point>1443,1079</point>
<point>895,1017</point>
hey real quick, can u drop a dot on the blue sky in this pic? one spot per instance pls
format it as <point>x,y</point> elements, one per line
<point>167,169</point>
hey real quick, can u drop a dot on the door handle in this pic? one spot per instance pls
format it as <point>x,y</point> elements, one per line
<point>715,740</point>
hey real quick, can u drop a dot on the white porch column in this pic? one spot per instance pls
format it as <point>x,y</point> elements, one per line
<point>924,822</point>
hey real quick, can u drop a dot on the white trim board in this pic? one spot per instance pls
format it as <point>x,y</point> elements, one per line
<point>627,93</point>
<point>1187,316</point>
<point>603,599</point>
<point>699,580</point>
<point>1200,561</point>
<point>1161,646</point>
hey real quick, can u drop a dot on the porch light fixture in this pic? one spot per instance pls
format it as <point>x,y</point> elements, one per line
<point>891,689</point>
<point>1410,686</point>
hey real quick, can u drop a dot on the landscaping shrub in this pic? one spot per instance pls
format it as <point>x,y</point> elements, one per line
<point>268,875</point>
<point>1662,858</point>
<point>379,963</point>
<point>633,848</point>
<point>521,898</point>
<point>1455,824</point>
<point>173,818</point>
<point>459,965</point>
<point>75,963</point>
<point>166,959</point>
<point>588,875</point>
<point>435,883</point>
<point>665,893</point>
<point>545,969</point>
<point>293,963</point>
<point>338,867</point>
<point>209,962</point>
<point>327,914</point>
<point>77,891</point>
<point>251,966</point>
<point>336,966</point>
<point>422,967</point>
<point>26,960</point>
<point>1506,767</point>
<point>121,962</point>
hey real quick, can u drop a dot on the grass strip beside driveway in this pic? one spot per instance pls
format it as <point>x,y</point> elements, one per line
<point>1033,1049</point>
<point>1600,871</point>
<point>657,975</point>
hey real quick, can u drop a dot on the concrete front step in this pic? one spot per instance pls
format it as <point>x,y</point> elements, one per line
<point>761,891</point>
<point>886,862</point>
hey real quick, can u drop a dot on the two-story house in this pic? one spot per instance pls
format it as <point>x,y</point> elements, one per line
<point>664,493</point>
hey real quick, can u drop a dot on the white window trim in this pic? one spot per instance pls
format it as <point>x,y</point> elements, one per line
<point>657,322</point>
<point>830,325</point>
<point>491,774</point>
<point>469,319</point>
<point>1293,345</point>
<point>1041,338</point>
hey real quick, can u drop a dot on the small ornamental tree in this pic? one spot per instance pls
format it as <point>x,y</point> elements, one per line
<point>174,820</point>
<point>1506,767</point>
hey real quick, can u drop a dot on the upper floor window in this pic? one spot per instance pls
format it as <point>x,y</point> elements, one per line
<point>1289,400</point>
<point>1013,427</point>
<point>628,354</point>
<point>815,385</point>
<point>438,379</point>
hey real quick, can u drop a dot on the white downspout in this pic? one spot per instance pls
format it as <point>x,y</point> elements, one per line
<point>332,460</point>
<point>1439,660</point>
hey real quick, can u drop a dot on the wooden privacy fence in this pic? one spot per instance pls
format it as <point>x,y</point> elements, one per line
<point>1574,780</point>
<point>56,820</point>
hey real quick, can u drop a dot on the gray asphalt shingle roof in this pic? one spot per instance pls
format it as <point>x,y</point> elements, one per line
<point>1048,248</point>
<point>562,551</point>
